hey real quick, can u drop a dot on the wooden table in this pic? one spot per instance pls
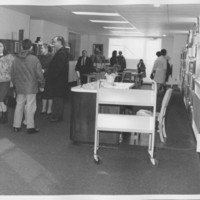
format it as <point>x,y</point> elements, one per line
<point>83,109</point>
<point>135,76</point>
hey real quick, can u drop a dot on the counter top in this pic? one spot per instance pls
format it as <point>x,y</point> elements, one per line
<point>92,86</point>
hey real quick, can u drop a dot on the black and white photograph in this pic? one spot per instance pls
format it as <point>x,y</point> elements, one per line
<point>99,100</point>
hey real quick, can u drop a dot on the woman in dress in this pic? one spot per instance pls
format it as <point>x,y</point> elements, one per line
<point>45,58</point>
<point>5,69</point>
<point>113,59</point>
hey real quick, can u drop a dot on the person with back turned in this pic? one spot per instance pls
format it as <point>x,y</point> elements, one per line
<point>159,69</point>
<point>57,78</point>
<point>26,74</point>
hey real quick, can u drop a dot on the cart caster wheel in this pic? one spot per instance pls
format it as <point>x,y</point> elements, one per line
<point>154,162</point>
<point>97,159</point>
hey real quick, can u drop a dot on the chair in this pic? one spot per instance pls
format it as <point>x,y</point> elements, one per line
<point>126,77</point>
<point>160,115</point>
<point>100,75</point>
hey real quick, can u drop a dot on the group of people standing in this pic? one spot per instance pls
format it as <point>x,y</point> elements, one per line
<point>29,73</point>
<point>84,65</point>
<point>118,60</point>
<point>160,72</point>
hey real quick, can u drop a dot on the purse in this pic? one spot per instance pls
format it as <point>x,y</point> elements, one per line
<point>152,75</point>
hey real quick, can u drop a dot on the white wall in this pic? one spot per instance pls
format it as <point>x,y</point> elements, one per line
<point>167,43</point>
<point>47,30</point>
<point>87,42</point>
<point>36,29</point>
<point>174,46</point>
<point>51,30</point>
<point>74,42</point>
<point>12,21</point>
<point>72,74</point>
<point>178,45</point>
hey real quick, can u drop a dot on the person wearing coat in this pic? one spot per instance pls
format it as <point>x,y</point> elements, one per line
<point>159,69</point>
<point>141,70</point>
<point>27,77</point>
<point>5,69</point>
<point>121,61</point>
<point>57,78</point>
<point>45,58</point>
<point>84,66</point>
<point>113,59</point>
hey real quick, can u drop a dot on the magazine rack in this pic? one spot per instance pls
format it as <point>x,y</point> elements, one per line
<point>125,123</point>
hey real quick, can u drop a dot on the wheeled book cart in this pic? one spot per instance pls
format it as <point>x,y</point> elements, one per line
<point>122,122</point>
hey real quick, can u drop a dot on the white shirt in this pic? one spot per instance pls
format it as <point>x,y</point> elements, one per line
<point>110,77</point>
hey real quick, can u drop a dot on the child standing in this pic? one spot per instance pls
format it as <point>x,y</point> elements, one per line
<point>110,75</point>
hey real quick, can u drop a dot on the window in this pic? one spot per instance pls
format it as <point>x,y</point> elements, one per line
<point>136,48</point>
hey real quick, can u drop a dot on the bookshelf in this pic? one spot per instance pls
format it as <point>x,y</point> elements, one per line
<point>190,80</point>
<point>12,46</point>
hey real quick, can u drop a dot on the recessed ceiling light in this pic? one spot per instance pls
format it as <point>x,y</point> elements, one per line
<point>164,35</point>
<point>96,13</point>
<point>120,28</point>
<point>107,21</point>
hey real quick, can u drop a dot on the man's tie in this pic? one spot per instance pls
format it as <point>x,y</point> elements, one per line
<point>83,61</point>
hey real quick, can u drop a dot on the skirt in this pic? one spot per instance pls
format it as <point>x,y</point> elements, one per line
<point>4,89</point>
<point>48,91</point>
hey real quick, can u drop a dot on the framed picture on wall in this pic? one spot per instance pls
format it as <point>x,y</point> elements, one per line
<point>97,49</point>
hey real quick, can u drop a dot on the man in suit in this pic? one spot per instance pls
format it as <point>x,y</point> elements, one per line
<point>57,78</point>
<point>84,66</point>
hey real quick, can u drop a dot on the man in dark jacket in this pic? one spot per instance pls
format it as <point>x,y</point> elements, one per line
<point>26,73</point>
<point>84,66</point>
<point>57,77</point>
<point>121,61</point>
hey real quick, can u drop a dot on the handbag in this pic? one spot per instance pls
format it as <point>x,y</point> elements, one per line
<point>152,75</point>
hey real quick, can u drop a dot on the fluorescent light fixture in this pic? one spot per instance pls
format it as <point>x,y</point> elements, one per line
<point>96,13</point>
<point>119,28</point>
<point>107,21</point>
<point>156,5</point>
<point>164,35</point>
<point>128,35</point>
<point>126,32</point>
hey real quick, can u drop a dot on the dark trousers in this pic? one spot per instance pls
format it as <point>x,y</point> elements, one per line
<point>58,108</point>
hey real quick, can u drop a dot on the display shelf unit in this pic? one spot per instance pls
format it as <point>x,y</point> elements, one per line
<point>196,113</point>
<point>190,80</point>
<point>12,46</point>
<point>125,123</point>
